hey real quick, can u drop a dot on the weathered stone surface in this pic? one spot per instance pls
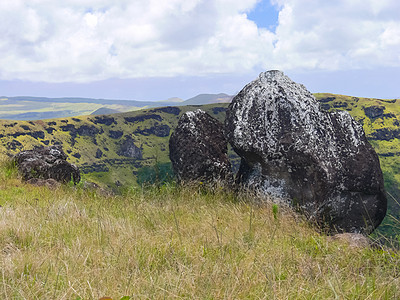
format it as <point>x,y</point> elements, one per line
<point>198,149</point>
<point>46,163</point>
<point>373,112</point>
<point>157,130</point>
<point>318,161</point>
<point>129,149</point>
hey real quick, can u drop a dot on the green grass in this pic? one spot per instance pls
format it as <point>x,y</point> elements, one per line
<point>174,242</point>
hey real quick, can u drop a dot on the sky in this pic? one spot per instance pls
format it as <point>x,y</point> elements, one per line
<point>157,49</point>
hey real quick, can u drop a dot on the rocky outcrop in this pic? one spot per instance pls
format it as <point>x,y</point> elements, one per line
<point>99,153</point>
<point>157,130</point>
<point>198,149</point>
<point>168,109</point>
<point>320,162</point>
<point>128,148</point>
<point>141,118</point>
<point>115,134</point>
<point>46,163</point>
<point>105,120</point>
<point>373,112</point>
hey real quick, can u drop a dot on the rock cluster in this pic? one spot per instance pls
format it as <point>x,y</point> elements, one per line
<point>46,163</point>
<point>198,149</point>
<point>320,162</point>
<point>290,149</point>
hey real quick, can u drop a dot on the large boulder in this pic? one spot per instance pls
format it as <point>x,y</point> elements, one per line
<point>198,149</point>
<point>320,162</point>
<point>46,163</point>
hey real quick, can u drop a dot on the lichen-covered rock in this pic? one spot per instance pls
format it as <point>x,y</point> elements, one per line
<point>320,162</point>
<point>198,149</point>
<point>46,163</point>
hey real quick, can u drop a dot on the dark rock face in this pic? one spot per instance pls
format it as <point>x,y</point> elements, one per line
<point>105,120</point>
<point>46,163</point>
<point>373,112</point>
<point>320,162</point>
<point>157,130</point>
<point>168,109</point>
<point>141,118</point>
<point>34,134</point>
<point>83,130</point>
<point>217,110</point>
<point>115,134</point>
<point>325,106</point>
<point>385,134</point>
<point>50,130</point>
<point>198,149</point>
<point>99,153</point>
<point>129,149</point>
<point>14,145</point>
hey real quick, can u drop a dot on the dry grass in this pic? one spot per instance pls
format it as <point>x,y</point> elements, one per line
<point>173,242</point>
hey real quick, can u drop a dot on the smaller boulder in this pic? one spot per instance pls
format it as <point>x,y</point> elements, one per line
<point>46,163</point>
<point>198,149</point>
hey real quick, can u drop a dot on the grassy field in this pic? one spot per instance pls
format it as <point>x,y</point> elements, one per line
<point>176,243</point>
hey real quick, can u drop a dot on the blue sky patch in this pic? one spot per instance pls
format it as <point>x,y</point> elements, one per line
<point>265,15</point>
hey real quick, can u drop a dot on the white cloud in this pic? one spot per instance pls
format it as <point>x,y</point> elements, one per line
<point>338,35</point>
<point>86,40</point>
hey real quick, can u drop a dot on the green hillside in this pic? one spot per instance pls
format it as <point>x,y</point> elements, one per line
<point>174,243</point>
<point>112,150</point>
<point>128,149</point>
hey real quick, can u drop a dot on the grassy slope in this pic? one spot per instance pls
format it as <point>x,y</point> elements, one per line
<point>174,243</point>
<point>120,168</point>
<point>125,171</point>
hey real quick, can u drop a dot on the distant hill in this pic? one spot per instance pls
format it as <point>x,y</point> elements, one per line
<point>38,108</point>
<point>105,111</point>
<point>208,99</point>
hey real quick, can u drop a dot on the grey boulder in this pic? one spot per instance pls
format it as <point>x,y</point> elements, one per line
<point>319,162</point>
<point>46,163</point>
<point>198,149</point>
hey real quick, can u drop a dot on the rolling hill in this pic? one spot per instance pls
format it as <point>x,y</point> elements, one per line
<point>38,108</point>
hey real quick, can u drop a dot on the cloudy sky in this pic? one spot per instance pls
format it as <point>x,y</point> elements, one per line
<point>156,49</point>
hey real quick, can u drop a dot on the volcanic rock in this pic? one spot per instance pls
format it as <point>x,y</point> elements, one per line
<point>46,163</point>
<point>198,149</point>
<point>373,112</point>
<point>319,162</point>
<point>128,148</point>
